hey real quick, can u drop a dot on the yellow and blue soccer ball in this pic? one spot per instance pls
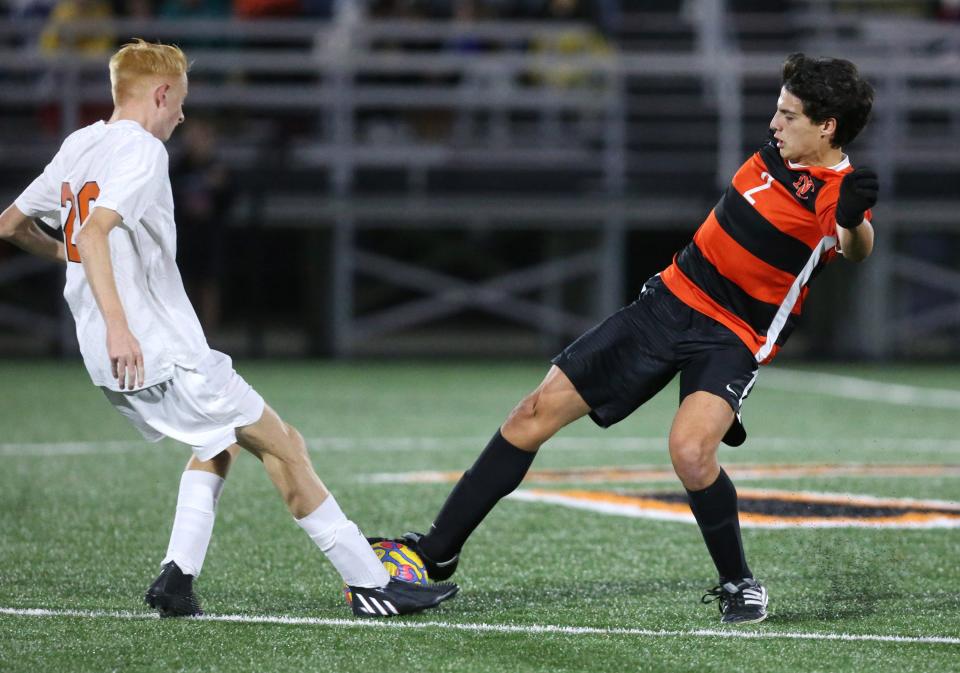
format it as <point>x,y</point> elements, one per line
<point>400,561</point>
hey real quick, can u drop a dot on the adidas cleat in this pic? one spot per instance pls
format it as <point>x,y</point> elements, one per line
<point>171,594</point>
<point>399,598</point>
<point>743,602</point>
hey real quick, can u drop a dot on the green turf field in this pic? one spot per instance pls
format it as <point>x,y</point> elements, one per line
<point>85,510</point>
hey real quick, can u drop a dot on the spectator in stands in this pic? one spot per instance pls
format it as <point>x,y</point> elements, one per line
<point>57,35</point>
<point>578,36</point>
<point>465,13</point>
<point>202,195</point>
<point>584,39</point>
<point>257,9</point>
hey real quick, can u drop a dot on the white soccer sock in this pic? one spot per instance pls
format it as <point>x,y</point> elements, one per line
<point>193,524</point>
<point>345,546</point>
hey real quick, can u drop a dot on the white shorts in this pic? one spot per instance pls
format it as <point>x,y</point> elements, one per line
<point>201,407</point>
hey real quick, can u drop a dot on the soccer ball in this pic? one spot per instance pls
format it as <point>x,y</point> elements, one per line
<point>400,561</point>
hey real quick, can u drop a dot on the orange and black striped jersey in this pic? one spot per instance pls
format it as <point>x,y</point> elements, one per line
<point>751,261</point>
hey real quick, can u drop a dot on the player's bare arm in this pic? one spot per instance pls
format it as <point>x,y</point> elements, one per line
<point>24,233</point>
<point>856,244</point>
<point>126,358</point>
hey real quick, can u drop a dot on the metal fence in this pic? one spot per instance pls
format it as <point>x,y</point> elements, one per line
<point>516,134</point>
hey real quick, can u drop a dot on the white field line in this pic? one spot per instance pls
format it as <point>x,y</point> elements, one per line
<point>854,388</point>
<point>532,629</point>
<point>557,444</point>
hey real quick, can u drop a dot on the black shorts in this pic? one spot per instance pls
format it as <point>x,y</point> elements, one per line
<point>629,357</point>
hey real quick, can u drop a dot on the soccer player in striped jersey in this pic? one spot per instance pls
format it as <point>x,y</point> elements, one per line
<point>724,306</point>
<point>109,190</point>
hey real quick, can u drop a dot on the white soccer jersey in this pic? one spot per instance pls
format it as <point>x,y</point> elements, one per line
<point>122,167</point>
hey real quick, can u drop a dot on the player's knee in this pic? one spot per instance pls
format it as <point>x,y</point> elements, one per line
<point>294,435</point>
<point>693,458</point>
<point>295,440</point>
<point>527,417</point>
<point>526,409</point>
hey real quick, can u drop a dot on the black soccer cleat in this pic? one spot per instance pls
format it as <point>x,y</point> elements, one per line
<point>171,594</point>
<point>743,602</point>
<point>399,598</point>
<point>437,571</point>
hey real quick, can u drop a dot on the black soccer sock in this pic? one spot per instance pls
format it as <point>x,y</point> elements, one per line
<point>715,509</point>
<point>496,473</point>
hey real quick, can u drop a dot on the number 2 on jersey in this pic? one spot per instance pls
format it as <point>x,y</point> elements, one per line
<point>79,209</point>
<point>769,183</point>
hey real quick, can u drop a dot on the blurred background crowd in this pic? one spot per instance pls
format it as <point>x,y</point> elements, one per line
<point>490,177</point>
<point>602,12</point>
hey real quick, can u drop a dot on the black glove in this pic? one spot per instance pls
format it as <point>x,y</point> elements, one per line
<point>858,192</point>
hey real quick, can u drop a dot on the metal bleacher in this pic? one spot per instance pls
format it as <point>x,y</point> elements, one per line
<point>411,170</point>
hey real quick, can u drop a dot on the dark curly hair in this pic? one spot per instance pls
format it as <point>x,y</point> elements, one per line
<point>830,87</point>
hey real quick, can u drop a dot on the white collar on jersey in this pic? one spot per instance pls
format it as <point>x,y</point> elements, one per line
<point>130,123</point>
<point>844,163</point>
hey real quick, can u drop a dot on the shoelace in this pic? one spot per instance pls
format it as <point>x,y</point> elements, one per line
<point>723,597</point>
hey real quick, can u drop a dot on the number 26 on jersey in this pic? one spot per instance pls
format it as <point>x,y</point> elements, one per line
<point>76,208</point>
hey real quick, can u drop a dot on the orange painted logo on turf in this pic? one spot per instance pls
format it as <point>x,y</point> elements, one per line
<point>758,507</point>
<point>761,508</point>
<point>649,473</point>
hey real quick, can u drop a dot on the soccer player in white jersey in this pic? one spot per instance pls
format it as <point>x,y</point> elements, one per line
<point>108,188</point>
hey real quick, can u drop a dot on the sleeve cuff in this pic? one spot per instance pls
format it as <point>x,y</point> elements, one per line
<point>110,205</point>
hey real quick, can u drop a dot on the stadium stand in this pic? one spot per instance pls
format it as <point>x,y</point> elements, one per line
<point>449,177</point>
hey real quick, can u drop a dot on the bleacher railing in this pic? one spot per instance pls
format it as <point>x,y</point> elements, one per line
<point>613,114</point>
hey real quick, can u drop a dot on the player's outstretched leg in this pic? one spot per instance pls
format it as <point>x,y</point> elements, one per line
<point>699,426</point>
<point>284,455</point>
<point>497,471</point>
<point>200,487</point>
